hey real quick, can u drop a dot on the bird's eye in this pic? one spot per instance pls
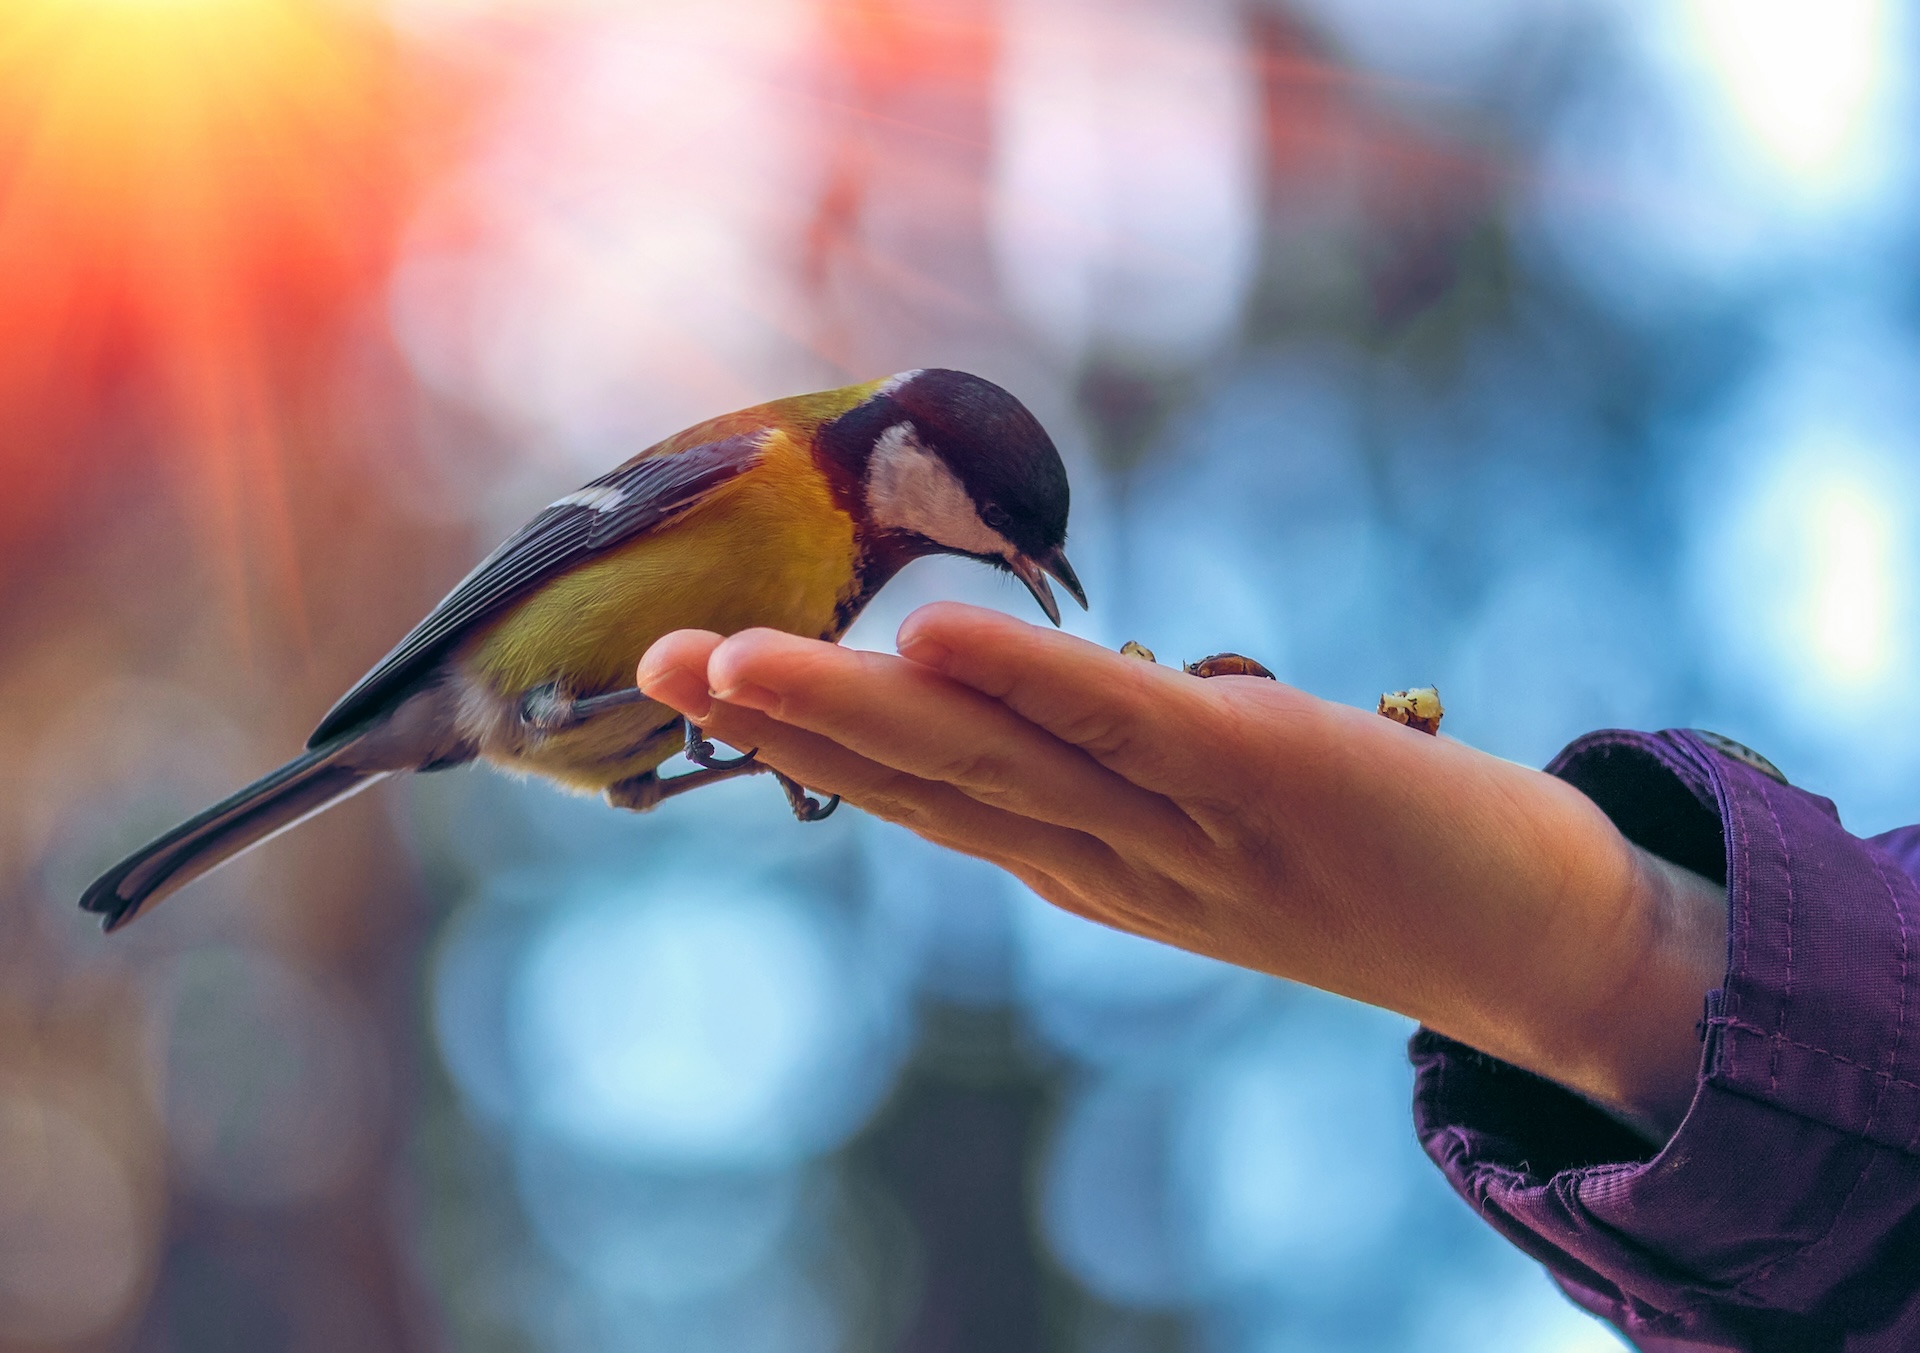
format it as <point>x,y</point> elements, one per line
<point>996,516</point>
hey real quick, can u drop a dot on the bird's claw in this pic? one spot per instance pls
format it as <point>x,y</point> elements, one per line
<point>805,806</point>
<point>701,752</point>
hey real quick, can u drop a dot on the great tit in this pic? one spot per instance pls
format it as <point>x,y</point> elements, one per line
<point>789,515</point>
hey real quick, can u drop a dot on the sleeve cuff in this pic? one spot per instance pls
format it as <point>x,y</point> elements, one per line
<point>1799,1153</point>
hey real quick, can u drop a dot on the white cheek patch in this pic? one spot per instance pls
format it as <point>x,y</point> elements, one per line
<point>602,499</point>
<point>911,489</point>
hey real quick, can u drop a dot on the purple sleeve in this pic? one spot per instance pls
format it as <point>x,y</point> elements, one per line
<point>1785,1211</point>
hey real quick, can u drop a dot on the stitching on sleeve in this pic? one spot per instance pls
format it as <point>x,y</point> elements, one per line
<point>1884,1077</point>
<point>1900,1018</point>
<point>1743,850</point>
<point>1786,989</point>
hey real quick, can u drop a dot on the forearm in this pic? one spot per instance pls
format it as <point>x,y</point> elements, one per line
<point>1493,903</point>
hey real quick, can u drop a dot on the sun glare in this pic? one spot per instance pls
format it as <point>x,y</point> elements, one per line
<point>1851,566</point>
<point>157,4</point>
<point>192,193</point>
<point>1803,77</point>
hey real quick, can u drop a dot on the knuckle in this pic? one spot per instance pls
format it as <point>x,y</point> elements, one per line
<point>894,800</point>
<point>1104,734</point>
<point>990,680</point>
<point>979,770</point>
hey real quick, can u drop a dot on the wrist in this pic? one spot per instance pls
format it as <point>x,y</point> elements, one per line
<point>1645,1050</point>
<point>1592,957</point>
<point>1628,1038</point>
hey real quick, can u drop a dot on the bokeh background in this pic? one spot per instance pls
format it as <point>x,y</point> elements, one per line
<point>1559,352</point>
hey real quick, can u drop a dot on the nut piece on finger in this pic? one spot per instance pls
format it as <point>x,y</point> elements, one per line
<point>1133,648</point>
<point>1227,664</point>
<point>1417,708</point>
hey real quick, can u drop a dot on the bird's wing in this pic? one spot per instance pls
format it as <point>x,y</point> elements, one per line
<point>635,498</point>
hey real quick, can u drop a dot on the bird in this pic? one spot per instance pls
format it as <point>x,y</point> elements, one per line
<point>789,515</point>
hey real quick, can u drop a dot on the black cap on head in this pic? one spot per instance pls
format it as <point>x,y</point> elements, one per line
<point>941,461</point>
<point>997,449</point>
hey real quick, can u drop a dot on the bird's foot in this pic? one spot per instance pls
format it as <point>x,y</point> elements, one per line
<point>552,708</point>
<point>701,752</point>
<point>641,793</point>
<point>804,805</point>
<point>600,704</point>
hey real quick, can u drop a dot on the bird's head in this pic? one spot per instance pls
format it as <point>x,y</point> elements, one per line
<point>956,465</point>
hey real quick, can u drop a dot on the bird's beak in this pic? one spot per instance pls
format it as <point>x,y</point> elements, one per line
<point>1033,572</point>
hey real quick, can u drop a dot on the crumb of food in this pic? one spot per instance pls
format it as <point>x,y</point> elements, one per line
<point>1132,648</point>
<point>1227,664</point>
<point>1418,708</point>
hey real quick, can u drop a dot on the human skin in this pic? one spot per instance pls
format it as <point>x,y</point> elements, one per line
<point>1249,821</point>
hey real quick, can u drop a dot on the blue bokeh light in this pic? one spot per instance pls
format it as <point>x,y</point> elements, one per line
<point>1108,1204</point>
<point>1109,997</point>
<point>1273,1133</point>
<point>698,1020</point>
<point>659,1238</point>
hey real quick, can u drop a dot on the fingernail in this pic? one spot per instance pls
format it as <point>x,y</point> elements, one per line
<point>926,652</point>
<point>749,696</point>
<point>681,689</point>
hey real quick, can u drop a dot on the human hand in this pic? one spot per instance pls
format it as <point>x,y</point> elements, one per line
<point>1249,821</point>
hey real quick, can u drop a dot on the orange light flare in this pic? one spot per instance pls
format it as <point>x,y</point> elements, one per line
<point>1423,184</point>
<point>197,199</point>
<point>906,99</point>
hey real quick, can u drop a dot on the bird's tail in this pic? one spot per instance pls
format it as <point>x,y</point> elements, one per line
<point>314,780</point>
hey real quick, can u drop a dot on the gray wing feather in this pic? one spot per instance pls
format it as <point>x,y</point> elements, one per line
<point>612,509</point>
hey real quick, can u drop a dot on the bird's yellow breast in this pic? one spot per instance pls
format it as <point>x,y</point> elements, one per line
<point>770,548</point>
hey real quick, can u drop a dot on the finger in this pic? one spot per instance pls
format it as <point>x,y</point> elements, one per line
<point>1154,725</point>
<point>937,811</point>
<point>902,715</point>
<point>1069,869</point>
<point>674,671</point>
<point>1038,854</point>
